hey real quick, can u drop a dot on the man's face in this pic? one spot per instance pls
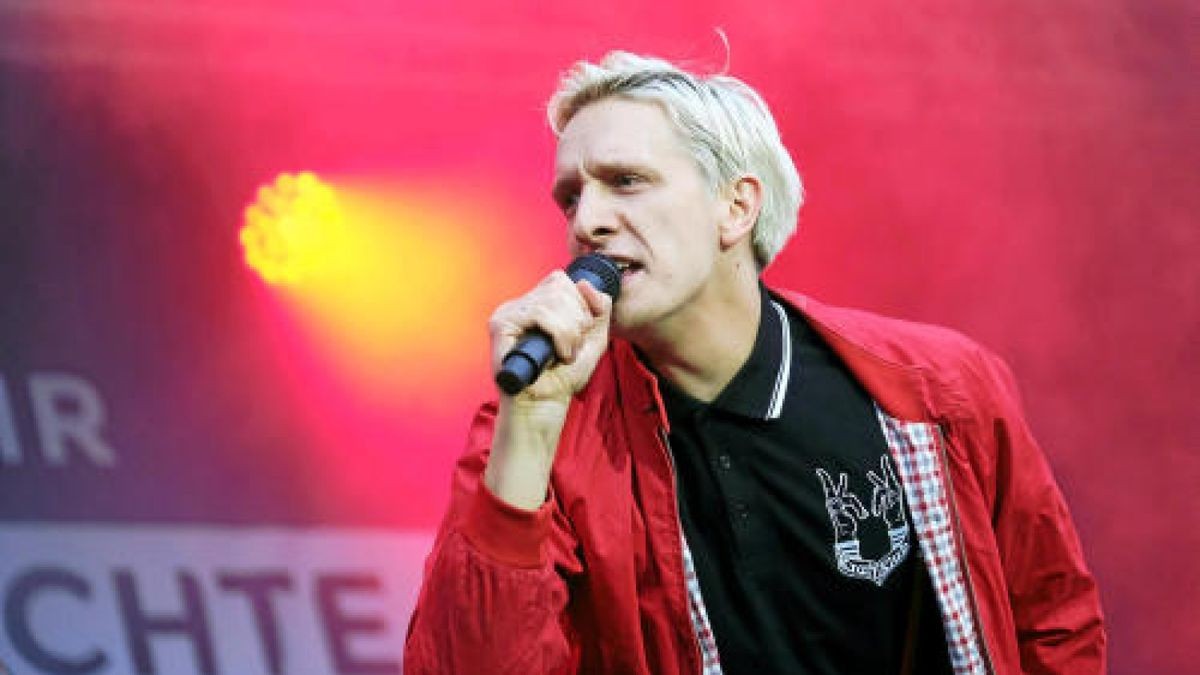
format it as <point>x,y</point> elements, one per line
<point>631,190</point>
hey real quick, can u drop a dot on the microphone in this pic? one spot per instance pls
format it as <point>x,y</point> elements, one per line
<point>534,350</point>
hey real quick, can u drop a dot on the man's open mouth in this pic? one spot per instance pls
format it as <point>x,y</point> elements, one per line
<point>626,267</point>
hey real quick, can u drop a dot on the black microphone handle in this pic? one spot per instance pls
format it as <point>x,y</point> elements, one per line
<point>535,350</point>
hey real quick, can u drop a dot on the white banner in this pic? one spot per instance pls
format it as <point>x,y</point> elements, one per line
<point>206,600</point>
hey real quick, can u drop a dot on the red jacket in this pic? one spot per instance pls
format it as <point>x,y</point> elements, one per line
<point>593,581</point>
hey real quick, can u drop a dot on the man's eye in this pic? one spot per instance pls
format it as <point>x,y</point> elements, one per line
<point>627,179</point>
<point>568,202</point>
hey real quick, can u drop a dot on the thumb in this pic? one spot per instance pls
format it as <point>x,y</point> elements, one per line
<point>600,304</point>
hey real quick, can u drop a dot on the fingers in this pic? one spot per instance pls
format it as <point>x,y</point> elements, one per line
<point>856,507</point>
<point>564,327</point>
<point>888,474</point>
<point>600,304</point>
<point>826,483</point>
<point>556,307</point>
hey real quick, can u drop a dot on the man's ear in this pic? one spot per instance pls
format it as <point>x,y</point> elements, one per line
<point>744,199</point>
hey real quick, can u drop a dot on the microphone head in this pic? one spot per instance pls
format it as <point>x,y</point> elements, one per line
<point>599,271</point>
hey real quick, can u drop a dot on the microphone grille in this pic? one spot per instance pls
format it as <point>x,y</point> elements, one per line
<point>599,271</point>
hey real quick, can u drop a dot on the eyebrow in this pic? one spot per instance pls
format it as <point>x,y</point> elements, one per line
<point>564,184</point>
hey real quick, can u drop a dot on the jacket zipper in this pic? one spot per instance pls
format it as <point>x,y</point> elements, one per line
<point>962,552</point>
<point>666,447</point>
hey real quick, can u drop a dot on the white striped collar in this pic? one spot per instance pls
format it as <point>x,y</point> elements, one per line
<point>760,387</point>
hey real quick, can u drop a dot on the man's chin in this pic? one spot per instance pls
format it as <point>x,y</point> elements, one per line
<point>628,323</point>
<point>623,323</point>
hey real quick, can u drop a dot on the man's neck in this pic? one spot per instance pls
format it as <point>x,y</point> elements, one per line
<point>701,350</point>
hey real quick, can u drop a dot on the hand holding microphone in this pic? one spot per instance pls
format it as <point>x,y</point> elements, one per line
<point>560,327</point>
<point>545,346</point>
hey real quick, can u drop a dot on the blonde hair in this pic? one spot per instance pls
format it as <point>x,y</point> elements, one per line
<point>724,122</point>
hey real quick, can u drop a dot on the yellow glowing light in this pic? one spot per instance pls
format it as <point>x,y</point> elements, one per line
<point>399,289</point>
<point>289,228</point>
<point>393,284</point>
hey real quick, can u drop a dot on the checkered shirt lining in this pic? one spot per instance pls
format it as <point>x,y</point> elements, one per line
<point>711,660</point>
<point>914,448</point>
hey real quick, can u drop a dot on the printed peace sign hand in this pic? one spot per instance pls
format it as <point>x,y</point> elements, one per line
<point>845,509</point>
<point>887,500</point>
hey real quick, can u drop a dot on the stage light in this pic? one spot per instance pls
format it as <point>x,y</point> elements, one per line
<point>389,283</point>
<point>290,226</point>
<point>375,293</point>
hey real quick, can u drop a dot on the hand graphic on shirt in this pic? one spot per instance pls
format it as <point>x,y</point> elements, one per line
<point>845,509</point>
<point>887,501</point>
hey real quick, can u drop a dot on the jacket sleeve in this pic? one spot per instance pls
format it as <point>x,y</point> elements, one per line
<point>494,593</point>
<point>1055,601</point>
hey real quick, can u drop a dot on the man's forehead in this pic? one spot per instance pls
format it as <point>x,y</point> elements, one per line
<point>615,131</point>
<point>573,160</point>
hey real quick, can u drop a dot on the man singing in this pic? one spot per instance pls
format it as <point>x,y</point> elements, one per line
<point>715,476</point>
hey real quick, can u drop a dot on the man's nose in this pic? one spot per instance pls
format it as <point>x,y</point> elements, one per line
<point>595,220</point>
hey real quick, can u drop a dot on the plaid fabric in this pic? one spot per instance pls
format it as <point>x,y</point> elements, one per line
<point>708,643</point>
<point>914,448</point>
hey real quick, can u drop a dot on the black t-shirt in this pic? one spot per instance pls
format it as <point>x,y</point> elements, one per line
<point>797,524</point>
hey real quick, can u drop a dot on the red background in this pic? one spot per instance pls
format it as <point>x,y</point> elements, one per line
<point>1022,171</point>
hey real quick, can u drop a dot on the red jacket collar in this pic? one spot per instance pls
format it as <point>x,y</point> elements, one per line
<point>900,389</point>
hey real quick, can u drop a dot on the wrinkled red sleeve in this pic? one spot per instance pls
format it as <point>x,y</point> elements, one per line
<point>494,594</point>
<point>1055,601</point>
